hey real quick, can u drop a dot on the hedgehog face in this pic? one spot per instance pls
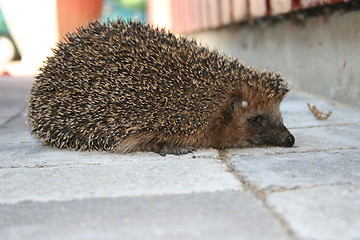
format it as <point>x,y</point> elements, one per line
<point>259,124</point>
<point>269,130</point>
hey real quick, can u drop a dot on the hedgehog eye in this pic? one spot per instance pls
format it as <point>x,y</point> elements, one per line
<point>254,121</point>
<point>233,104</point>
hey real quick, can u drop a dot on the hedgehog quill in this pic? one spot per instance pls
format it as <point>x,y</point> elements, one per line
<point>125,87</point>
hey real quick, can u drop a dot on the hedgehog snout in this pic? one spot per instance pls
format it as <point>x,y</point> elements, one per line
<point>289,140</point>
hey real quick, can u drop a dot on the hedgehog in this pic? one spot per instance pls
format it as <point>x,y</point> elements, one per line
<point>125,86</point>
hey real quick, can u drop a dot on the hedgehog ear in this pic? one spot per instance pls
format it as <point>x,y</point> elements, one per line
<point>236,102</point>
<point>233,103</point>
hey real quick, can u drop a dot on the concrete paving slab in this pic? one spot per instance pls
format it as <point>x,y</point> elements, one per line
<point>13,92</point>
<point>8,111</point>
<point>329,212</point>
<point>18,121</point>
<point>297,115</point>
<point>132,178</point>
<point>17,155</point>
<point>299,169</point>
<point>220,215</point>
<point>296,101</point>
<point>35,155</point>
<point>16,134</point>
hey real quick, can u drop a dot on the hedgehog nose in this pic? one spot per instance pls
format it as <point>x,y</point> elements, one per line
<point>289,141</point>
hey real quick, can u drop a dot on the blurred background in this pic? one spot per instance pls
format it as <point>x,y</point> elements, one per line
<point>315,43</point>
<point>30,28</point>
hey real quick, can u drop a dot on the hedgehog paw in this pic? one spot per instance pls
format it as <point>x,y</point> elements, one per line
<point>176,150</point>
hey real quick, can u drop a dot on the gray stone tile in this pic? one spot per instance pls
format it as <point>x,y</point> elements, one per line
<point>323,138</point>
<point>13,94</point>
<point>9,111</point>
<point>330,212</point>
<point>270,172</point>
<point>4,119</point>
<point>131,178</point>
<point>220,215</point>
<point>16,135</point>
<point>297,102</point>
<point>297,115</point>
<point>25,154</point>
<point>26,151</point>
<point>18,121</point>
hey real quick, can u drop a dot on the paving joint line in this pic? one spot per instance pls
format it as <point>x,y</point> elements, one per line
<point>327,125</point>
<point>52,166</point>
<point>294,152</point>
<point>271,190</point>
<point>259,194</point>
<point>13,117</point>
<point>46,165</point>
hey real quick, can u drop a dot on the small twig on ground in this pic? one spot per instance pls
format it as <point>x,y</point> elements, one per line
<point>318,114</point>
